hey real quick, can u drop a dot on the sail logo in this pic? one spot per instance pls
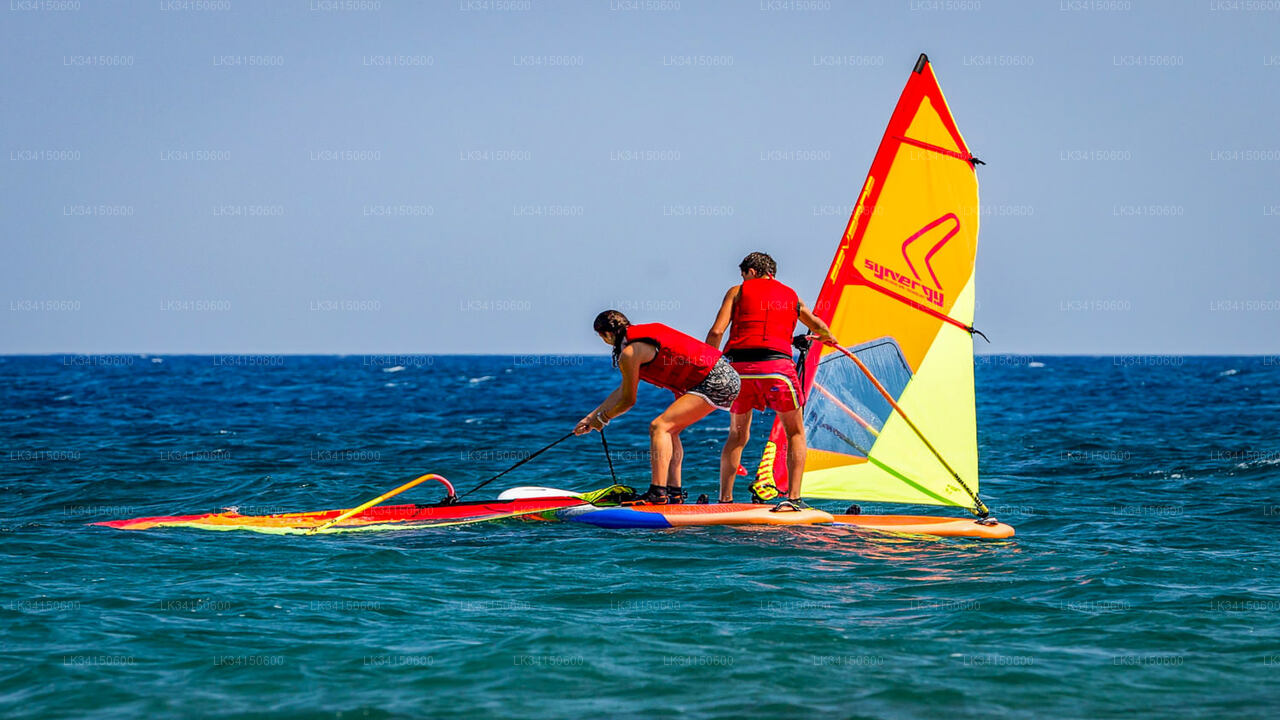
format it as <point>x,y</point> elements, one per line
<point>852,228</point>
<point>906,282</point>
<point>949,226</point>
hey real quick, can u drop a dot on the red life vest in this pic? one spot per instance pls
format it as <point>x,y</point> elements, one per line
<point>682,361</point>
<point>764,317</point>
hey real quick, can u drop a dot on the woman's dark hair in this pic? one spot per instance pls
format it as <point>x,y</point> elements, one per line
<point>761,263</point>
<point>612,321</point>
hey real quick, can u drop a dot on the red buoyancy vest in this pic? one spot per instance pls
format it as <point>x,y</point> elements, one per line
<point>764,317</point>
<point>682,361</point>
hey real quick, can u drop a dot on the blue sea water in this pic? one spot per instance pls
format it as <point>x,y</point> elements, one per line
<point>1143,581</point>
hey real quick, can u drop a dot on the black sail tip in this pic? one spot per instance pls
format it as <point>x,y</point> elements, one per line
<point>920,63</point>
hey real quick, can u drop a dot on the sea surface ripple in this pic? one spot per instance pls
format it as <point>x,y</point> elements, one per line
<point>1143,581</point>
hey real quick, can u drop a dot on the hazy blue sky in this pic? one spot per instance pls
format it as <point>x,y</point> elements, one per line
<point>481,176</point>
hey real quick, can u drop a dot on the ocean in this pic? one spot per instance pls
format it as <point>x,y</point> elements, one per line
<point>1143,581</point>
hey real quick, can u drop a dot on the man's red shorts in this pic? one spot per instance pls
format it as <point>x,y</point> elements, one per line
<point>767,385</point>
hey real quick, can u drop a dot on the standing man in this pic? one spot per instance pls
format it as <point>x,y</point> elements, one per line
<point>761,315</point>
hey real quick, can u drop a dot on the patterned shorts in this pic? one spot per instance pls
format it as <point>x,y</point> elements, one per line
<point>720,387</point>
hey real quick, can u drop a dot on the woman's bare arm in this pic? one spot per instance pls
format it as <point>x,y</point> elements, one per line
<point>623,397</point>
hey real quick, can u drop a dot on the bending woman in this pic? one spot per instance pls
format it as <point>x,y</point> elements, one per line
<point>691,369</point>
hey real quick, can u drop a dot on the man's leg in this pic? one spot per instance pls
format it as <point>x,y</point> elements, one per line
<point>793,426</point>
<point>731,454</point>
<point>685,411</point>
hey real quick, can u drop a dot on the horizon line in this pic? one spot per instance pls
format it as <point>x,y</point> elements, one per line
<point>567,354</point>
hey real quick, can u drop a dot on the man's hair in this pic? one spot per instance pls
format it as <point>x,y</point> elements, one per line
<point>761,263</point>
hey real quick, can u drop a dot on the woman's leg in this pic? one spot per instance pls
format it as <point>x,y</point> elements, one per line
<point>685,411</point>
<point>673,469</point>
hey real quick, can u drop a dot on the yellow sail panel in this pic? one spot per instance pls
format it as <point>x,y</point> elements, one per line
<point>862,482</point>
<point>899,295</point>
<point>821,460</point>
<point>921,241</point>
<point>939,399</point>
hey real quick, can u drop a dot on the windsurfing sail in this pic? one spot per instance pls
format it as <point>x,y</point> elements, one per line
<point>900,297</point>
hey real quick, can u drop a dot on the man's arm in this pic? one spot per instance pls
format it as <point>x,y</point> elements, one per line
<point>723,318</point>
<point>814,323</point>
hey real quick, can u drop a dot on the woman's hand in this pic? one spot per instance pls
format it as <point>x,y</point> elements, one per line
<point>589,423</point>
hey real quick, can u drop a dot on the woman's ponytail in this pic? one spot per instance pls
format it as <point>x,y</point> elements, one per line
<point>613,321</point>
